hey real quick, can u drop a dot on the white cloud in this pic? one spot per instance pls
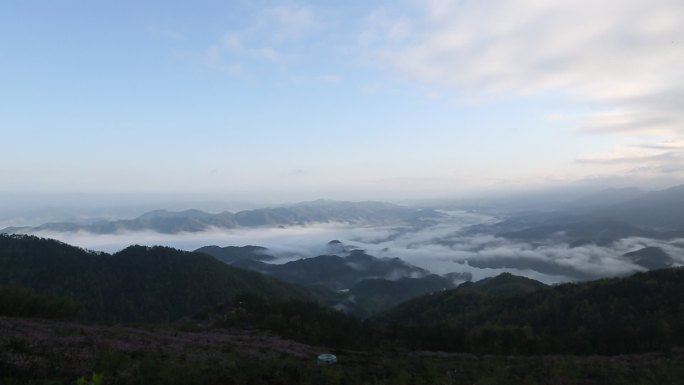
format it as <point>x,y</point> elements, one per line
<point>218,52</point>
<point>167,33</point>
<point>674,144</point>
<point>317,79</point>
<point>664,158</point>
<point>263,38</point>
<point>266,53</point>
<point>629,155</point>
<point>603,50</point>
<point>629,121</point>
<point>380,26</point>
<point>288,22</point>
<point>623,59</point>
<point>230,42</point>
<point>444,247</point>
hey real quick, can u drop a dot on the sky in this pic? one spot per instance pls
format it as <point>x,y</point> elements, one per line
<point>296,100</point>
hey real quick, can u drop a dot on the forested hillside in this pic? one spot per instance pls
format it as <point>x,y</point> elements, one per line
<point>142,284</point>
<point>610,316</point>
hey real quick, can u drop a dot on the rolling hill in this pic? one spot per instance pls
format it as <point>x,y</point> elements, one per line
<point>642,312</point>
<point>141,284</point>
<point>355,282</point>
<point>333,271</point>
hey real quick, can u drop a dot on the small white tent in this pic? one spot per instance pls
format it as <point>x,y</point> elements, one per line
<point>327,359</point>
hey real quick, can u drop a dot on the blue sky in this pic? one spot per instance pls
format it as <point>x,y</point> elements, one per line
<point>347,100</point>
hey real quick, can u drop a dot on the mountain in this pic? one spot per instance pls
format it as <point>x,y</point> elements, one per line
<point>137,284</point>
<point>662,210</point>
<point>607,197</point>
<point>335,272</point>
<point>601,232</point>
<point>331,211</point>
<point>650,257</point>
<point>321,211</point>
<point>574,234</point>
<point>598,218</point>
<point>501,315</point>
<point>465,297</point>
<point>505,284</point>
<point>642,312</point>
<point>355,282</point>
<point>230,254</point>
<point>371,296</point>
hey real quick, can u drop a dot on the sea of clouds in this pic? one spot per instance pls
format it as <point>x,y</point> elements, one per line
<point>441,247</point>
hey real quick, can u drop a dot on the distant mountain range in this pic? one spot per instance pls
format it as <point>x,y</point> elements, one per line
<point>601,219</point>
<point>660,212</point>
<point>320,211</point>
<point>631,211</point>
<point>652,214</point>
<point>594,231</point>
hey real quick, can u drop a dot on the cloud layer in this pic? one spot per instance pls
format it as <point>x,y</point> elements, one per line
<point>444,247</point>
<point>623,60</point>
<point>609,51</point>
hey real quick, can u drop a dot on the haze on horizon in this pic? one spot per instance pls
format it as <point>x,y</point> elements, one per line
<point>264,101</point>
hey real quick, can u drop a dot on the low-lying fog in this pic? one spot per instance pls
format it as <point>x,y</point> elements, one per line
<point>441,247</point>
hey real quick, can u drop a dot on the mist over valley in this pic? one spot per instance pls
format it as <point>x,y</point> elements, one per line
<point>595,238</point>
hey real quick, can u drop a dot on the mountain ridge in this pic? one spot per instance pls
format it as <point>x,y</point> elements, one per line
<point>303,213</point>
<point>136,284</point>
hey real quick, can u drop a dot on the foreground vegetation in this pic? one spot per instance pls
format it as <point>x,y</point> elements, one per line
<point>45,352</point>
<point>641,313</point>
